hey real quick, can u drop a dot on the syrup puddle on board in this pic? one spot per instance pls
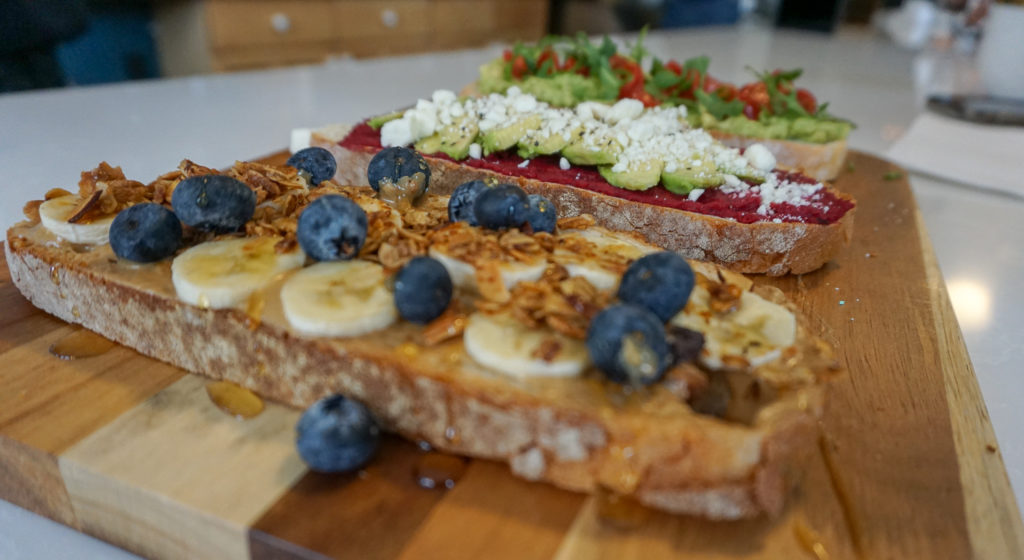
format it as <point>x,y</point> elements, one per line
<point>439,470</point>
<point>234,399</point>
<point>620,512</point>
<point>80,343</point>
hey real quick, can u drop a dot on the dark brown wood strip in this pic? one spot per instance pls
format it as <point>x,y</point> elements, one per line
<point>492,514</point>
<point>368,516</point>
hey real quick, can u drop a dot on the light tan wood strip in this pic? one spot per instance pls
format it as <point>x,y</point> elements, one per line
<point>29,478</point>
<point>176,477</point>
<point>993,515</point>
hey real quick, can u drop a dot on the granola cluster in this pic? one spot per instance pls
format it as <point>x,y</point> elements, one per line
<point>559,301</point>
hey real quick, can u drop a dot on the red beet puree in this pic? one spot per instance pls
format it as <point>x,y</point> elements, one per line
<point>823,207</point>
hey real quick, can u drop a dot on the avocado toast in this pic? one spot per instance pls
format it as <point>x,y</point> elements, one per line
<point>633,168</point>
<point>770,110</point>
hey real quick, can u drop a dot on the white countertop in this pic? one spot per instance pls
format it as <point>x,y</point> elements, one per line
<point>47,138</point>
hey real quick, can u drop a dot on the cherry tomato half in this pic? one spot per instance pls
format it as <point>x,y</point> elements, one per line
<point>806,100</point>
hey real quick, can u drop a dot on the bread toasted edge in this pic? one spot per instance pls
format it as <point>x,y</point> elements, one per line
<point>768,248</point>
<point>538,442</point>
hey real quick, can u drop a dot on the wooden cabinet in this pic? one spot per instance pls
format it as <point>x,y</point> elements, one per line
<point>218,35</point>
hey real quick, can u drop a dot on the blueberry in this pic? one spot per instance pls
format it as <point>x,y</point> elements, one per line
<point>504,206</point>
<point>423,290</point>
<point>317,163</point>
<point>660,282</point>
<point>542,215</point>
<point>460,205</point>
<point>627,343</point>
<point>398,169</point>
<point>332,228</point>
<point>145,232</point>
<point>214,202</point>
<point>336,434</point>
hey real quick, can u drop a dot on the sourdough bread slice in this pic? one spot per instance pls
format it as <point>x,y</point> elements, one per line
<point>823,162</point>
<point>761,247</point>
<point>684,463</point>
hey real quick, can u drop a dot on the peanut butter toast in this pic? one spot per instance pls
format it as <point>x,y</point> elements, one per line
<point>531,361</point>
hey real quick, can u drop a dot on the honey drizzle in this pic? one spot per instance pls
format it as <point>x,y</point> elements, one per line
<point>810,540</point>
<point>254,310</point>
<point>439,470</point>
<point>80,343</point>
<point>234,399</point>
<point>842,495</point>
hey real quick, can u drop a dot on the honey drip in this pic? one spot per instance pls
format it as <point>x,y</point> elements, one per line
<point>254,310</point>
<point>80,344</point>
<point>842,494</point>
<point>234,399</point>
<point>810,540</point>
<point>439,470</point>
<point>54,276</point>
<point>620,512</point>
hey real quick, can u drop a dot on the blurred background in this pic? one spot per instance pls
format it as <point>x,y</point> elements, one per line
<point>54,43</point>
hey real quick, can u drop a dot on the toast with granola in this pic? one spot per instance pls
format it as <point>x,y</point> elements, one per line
<point>701,405</point>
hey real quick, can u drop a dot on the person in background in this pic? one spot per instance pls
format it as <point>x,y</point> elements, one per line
<point>29,33</point>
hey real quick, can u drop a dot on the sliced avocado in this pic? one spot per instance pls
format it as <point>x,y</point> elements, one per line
<point>585,149</point>
<point>503,138</point>
<point>453,140</point>
<point>640,176</point>
<point>378,121</point>
<point>691,174</point>
<point>429,145</point>
<point>457,137</point>
<point>539,144</point>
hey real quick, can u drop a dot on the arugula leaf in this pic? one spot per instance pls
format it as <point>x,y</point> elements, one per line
<point>718,107</point>
<point>698,63</point>
<point>638,52</point>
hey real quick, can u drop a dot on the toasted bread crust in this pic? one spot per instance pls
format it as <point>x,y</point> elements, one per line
<point>824,162</point>
<point>763,247</point>
<point>693,464</point>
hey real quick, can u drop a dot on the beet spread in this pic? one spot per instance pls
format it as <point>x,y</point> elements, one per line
<point>823,207</point>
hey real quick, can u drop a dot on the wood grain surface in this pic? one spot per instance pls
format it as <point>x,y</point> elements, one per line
<point>132,450</point>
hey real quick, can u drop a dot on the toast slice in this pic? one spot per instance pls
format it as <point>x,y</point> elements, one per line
<point>759,247</point>
<point>720,437</point>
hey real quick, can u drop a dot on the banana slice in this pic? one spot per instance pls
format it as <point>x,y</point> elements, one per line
<point>342,298</point>
<point>757,331</point>
<point>464,274</point>
<point>54,214</point>
<point>501,343</point>
<point>219,274</point>
<point>616,244</point>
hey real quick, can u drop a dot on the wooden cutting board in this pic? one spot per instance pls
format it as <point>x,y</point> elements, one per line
<point>134,452</point>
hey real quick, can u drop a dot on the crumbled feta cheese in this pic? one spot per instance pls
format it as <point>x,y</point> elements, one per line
<point>624,110</point>
<point>396,133</point>
<point>563,164</point>
<point>524,164</point>
<point>443,97</point>
<point>475,151</point>
<point>760,157</point>
<point>695,194</point>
